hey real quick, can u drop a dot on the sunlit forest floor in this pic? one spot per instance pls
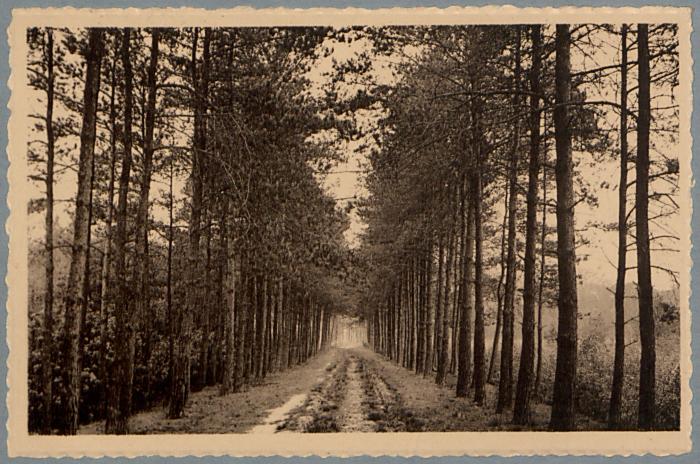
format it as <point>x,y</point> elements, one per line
<point>341,390</point>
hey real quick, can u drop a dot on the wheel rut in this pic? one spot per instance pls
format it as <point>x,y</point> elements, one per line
<point>351,396</point>
<point>354,413</point>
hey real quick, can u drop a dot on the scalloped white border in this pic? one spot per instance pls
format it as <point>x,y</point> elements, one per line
<point>20,443</point>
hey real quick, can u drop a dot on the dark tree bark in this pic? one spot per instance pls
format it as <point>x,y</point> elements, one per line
<point>260,323</point>
<point>405,305</point>
<point>227,383</point>
<point>270,326</point>
<point>241,319</point>
<point>219,341</point>
<point>420,313</point>
<point>456,284</point>
<point>181,377</point>
<point>250,329</point>
<point>647,336</point>
<point>85,300</point>
<point>118,399</point>
<point>205,309</point>
<point>280,317</point>
<point>140,271</point>
<point>521,409</point>
<point>499,291</point>
<point>47,351</point>
<point>428,360</point>
<point>540,291</point>
<point>479,378</point>
<point>76,274</point>
<point>106,296</point>
<point>412,316</point>
<point>563,413</point>
<point>438,301</point>
<point>615,411</point>
<point>505,383</point>
<point>169,278</point>
<point>293,299</point>
<point>479,336</point>
<point>466,308</point>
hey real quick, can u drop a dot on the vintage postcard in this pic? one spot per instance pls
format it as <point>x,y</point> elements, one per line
<point>342,232</point>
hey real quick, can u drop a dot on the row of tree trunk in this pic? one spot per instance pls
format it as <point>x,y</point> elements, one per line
<point>240,321</point>
<point>428,323</point>
<point>457,323</point>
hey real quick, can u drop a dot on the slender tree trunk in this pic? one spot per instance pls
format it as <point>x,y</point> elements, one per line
<point>221,311</point>
<point>479,336</point>
<point>250,330</point>
<point>499,291</point>
<point>465,329</point>
<point>140,269</point>
<point>420,341</point>
<point>117,401</point>
<point>270,326</point>
<point>521,409</point>
<point>169,278</point>
<point>317,332</point>
<point>456,286</point>
<point>205,309</point>
<point>146,334</point>
<point>438,301</point>
<point>397,319</point>
<point>406,305</point>
<point>281,329</point>
<point>181,379</point>
<point>85,301</point>
<point>240,329</point>
<point>319,329</point>
<point>105,290</point>
<point>647,336</point>
<point>76,274</point>
<point>428,361</point>
<point>505,383</point>
<point>419,313</point>
<point>260,324</point>
<point>47,351</point>
<point>227,383</point>
<point>291,339</point>
<point>274,325</point>
<point>444,347</point>
<point>407,316</point>
<point>479,378</point>
<point>563,413</point>
<point>412,310</point>
<point>615,412</point>
<point>415,263</point>
<point>540,291</point>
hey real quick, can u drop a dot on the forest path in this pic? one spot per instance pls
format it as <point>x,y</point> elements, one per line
<point>353,397</point>
<point>340,390</point>
<point>208,412</point>
<point>353,413</point>
<point>362,391</point>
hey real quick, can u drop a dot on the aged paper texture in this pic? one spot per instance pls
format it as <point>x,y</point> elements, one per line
<point>300,272</point>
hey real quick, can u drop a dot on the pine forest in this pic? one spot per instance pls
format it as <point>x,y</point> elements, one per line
<point>355,229</point>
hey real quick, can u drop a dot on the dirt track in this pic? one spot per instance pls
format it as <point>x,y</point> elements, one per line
<point>341,390</point>
<point>350,397</point>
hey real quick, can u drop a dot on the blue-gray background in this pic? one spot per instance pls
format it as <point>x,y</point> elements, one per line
<point>6,7</point>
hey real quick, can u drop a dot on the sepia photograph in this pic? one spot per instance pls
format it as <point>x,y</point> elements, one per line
<point>364,228</point>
